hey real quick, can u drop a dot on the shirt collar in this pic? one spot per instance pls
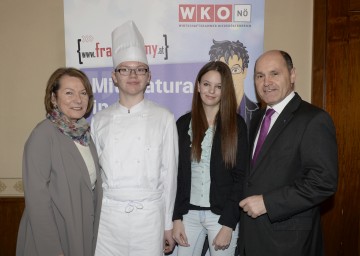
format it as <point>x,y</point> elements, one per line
<point>134,109</point>
<point>279,107</point>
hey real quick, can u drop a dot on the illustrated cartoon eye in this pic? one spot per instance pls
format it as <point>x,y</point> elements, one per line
<point>236,70</point>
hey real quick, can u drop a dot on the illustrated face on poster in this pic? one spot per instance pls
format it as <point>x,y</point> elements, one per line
<point>236,56</point>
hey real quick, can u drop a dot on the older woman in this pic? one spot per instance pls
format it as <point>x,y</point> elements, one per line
<point>61,174</point>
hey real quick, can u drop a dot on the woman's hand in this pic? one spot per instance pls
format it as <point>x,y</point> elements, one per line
<point>179,233</point>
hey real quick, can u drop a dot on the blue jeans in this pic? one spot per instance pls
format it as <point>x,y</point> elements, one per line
<point>197,225</point>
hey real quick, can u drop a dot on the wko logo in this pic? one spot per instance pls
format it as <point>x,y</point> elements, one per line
<point>214,13</point>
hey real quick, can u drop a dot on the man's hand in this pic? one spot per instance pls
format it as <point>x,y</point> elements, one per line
<point>179,233</point>
<point>253,205</point>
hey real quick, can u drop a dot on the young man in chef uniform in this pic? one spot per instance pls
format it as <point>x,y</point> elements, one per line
<point>137,143</point>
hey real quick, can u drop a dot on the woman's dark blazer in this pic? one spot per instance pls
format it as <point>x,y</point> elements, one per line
<point>226,183</point>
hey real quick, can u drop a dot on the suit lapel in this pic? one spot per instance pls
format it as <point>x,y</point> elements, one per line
<point>281,122</point>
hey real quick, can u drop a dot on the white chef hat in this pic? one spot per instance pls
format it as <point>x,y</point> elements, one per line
<point>128,44</point>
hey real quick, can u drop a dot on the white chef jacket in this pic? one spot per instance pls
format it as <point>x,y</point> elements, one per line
<point>138,154</point>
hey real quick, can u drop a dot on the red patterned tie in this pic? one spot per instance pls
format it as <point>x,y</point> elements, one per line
<point>263,133</point>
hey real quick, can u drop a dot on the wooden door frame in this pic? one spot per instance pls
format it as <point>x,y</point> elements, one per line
<point>318,88</point>
<point>335,27</point>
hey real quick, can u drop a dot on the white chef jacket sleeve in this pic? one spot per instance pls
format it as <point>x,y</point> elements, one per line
<point>170,167</point>
<point>94,134</point>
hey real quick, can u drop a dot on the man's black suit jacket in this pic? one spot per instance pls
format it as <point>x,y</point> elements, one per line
<point>295,171</point>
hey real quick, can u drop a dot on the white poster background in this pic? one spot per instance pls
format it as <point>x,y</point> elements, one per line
<point>178,36</point>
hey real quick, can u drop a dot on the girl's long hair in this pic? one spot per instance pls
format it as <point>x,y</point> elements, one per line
<point>225,121</point>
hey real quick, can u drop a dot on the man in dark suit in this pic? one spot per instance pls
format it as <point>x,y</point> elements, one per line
<point>295,170</point>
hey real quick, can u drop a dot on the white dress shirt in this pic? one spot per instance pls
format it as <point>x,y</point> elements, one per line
<point>278,109</point>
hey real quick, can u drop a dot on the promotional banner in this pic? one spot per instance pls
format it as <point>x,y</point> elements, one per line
<point>180,37</point>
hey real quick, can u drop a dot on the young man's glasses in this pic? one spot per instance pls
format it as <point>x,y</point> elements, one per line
<point>128,71</point>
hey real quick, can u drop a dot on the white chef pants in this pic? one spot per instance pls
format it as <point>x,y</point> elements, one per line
<point>131,228</point>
